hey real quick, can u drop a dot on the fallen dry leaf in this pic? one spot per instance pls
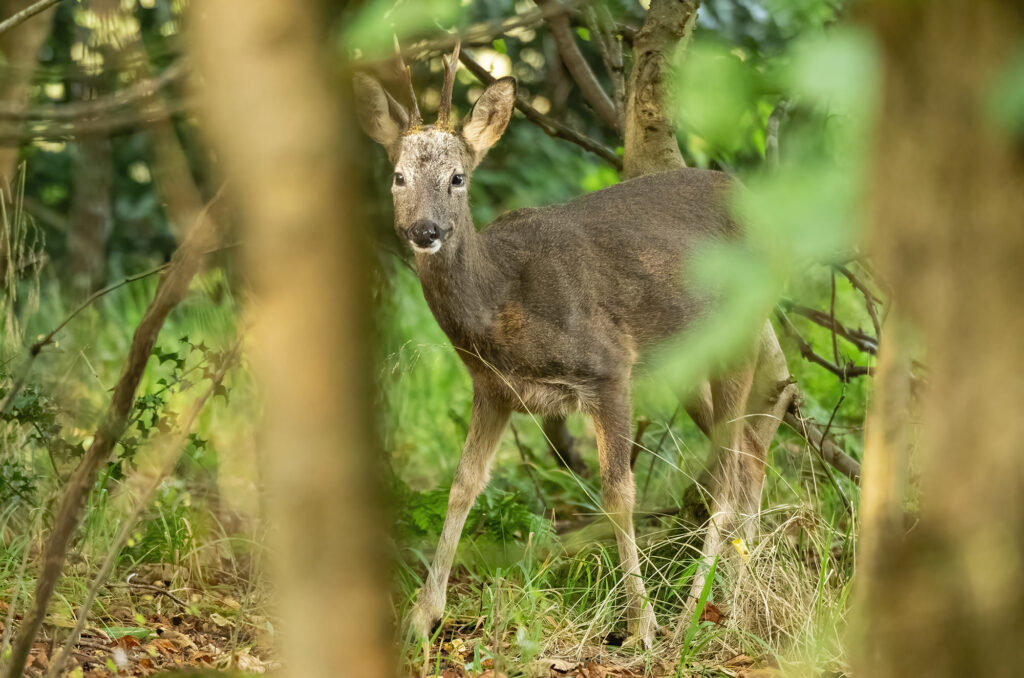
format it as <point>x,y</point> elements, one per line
<point>557,665</point>
<point>712,613</point>
<point>740,660</point>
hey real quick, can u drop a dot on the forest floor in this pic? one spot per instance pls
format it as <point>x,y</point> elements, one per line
<point>149,626</point>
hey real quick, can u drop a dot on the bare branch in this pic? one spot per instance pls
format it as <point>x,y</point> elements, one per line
<point>484,33</point>
<point>578,67</point>
<point>863,341</point>
<point>831,452</point>
<point>24,15</point>
<point>870,298</point>
<point>844,372</point>
<point>602,29</point>
<point>106,125</point>
<point>550,126</point>
<point>127,97</point>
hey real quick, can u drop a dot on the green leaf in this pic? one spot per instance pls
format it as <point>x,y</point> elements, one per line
<point>500,46</point>
<point>584,33</point>
<point>691,630</point>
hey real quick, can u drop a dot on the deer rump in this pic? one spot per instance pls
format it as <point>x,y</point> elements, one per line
<point>557,301</point>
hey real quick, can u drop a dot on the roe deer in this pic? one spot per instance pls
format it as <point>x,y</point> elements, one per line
<point>549,309</point>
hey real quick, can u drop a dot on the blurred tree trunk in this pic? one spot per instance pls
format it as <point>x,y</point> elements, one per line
<point>91,217</point>
<point>274,116</point>
<point>20,48</point>
<point>947,596</point>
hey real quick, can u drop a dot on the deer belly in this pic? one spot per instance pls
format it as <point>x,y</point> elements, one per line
<point>547,397</point>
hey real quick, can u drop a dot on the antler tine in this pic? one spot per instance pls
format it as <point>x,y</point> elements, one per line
<point>444,109</point>
<point>415,120</point>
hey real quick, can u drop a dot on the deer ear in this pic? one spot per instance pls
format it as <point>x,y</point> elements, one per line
<point>380,116</point>
<point>490,116</point>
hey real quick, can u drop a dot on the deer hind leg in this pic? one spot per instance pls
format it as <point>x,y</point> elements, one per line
<point>485,427</point>
<point>761,390</point>
<point>612,424</point>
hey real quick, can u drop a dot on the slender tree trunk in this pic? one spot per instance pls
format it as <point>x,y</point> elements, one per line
<point>91,218</point>
<point>274,116</point>
<point>947,596</point>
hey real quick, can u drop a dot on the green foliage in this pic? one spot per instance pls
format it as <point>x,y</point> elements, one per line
<point>1004,104</point>
<point>498,516</point>
<point>371,29</point>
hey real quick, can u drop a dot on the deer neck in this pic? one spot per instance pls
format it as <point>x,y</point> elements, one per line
<point>463,287</point>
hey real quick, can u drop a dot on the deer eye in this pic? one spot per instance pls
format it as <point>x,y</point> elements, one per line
<point>459,180</point>
<point>399,179</point>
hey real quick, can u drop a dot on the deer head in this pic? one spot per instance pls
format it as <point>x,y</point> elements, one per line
<point>433,163</point>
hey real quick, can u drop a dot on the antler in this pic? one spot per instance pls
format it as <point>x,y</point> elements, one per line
<point>444,109</point>
<point>415,120</point>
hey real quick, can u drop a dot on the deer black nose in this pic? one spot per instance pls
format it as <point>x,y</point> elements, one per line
<point>424,233</point>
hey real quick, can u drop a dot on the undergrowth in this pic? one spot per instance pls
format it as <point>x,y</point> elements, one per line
<point>536,576</point>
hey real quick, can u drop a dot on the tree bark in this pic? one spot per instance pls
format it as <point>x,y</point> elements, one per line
<point>946,233</point>
<point>651,144</point>
<point>273,115</point>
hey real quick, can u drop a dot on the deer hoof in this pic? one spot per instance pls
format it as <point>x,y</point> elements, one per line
<point>423,621</point>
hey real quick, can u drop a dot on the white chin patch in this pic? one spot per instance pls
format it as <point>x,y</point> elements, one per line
<point>434,247</point>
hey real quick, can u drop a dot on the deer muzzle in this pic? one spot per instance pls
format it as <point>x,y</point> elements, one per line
<point>425,236</point>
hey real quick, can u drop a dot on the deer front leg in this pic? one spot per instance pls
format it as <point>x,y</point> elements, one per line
<point>486,424</point>
<point>612,425</point>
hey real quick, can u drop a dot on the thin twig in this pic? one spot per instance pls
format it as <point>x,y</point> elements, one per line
<point>38,346</point>
<point>483,32</point>
<point>641,426</point>
<point>831,452</point>
<point>844,372</point>
<point>824,436</point>
<point>132,585</point>
<point>603,27</point>
<point>24,15</point>
<point>550,126</point>
<point>861,340</point>
<point>107,125</point>
<point>870,298</point>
